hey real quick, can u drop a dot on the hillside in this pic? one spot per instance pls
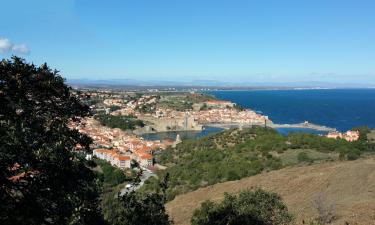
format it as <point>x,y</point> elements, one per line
<point>235,154</point>
<point>349,185</point>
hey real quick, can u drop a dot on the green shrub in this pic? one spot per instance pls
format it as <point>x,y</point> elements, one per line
<point>353,155</point>
<point>232,175</point>
<point>122,122</point>
<point>303,157</point>
<point>111,176</point>
<point>114,107</point>
<point>249,207</point>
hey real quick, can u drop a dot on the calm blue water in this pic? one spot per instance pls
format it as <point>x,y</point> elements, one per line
<point>338,108</point>
<point>342,109</point>
<point>183,134</point>
<point>286,131</point>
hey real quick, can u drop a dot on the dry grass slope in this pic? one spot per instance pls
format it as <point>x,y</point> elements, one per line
<point>349,185</point>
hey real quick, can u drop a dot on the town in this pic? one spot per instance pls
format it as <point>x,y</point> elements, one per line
<point>160,112</point>
<point>118,147</point>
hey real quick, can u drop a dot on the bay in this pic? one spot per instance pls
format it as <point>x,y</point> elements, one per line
<point>342,109</point>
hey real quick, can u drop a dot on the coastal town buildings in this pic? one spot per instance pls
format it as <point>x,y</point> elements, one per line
<point>165,119</point>
<point>229,115</point>
<point>116,146</point>
<point>348,136</point>
<point>114,158</point>
<point>161,118</point>
<point>119,148</point>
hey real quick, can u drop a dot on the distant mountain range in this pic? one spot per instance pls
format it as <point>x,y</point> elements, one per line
<point>211,83</point>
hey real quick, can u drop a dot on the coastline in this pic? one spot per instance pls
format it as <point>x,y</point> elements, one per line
<point>177,125</point>
<point>227,126</point>
<point>341,109</point>
<point>274,126</point>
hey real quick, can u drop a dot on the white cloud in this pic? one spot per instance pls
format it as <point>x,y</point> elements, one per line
<point>21,48</point>
<point>6,46</point>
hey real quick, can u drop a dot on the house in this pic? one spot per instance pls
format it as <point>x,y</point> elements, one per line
<point>348,136</point>
<point>101,153</point>
<point>145,160</point>
<point>351,135</point>
<point>334,135</point>
<point>122,161</point>
<point>114,158</point>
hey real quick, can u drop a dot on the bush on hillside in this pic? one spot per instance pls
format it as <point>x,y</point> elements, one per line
<point>247,208</point>
<point>304,157</point>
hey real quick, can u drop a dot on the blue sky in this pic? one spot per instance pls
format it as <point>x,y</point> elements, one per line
<point>184,40</point>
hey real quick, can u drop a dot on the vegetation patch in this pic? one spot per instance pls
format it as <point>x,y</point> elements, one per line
<point>122,122</point>
<point>235,154</point>
<point>294,156</point>
<point>132,208</point>
<point>371,136</point>
<point>182,101</point>
<point>248,207</point>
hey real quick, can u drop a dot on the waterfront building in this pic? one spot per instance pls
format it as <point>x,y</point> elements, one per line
<point>348,136</point>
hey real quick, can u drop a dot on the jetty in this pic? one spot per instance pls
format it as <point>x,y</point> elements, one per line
<point>304,125</point>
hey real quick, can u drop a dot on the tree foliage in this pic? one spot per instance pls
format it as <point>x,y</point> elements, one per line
<point>122,122</point>
<point>42,179</point>
<point>248,208</point>
<point>134,208</point>
<point>111,176</point>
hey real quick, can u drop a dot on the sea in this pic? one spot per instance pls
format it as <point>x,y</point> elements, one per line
<point>342,109</point>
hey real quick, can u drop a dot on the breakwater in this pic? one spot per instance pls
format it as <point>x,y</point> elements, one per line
<point>305,125</point>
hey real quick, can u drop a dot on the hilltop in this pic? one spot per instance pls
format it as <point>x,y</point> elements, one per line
<point>349,186</point>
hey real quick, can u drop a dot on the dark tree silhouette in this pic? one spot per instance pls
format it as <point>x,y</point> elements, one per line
<point>43,180</point>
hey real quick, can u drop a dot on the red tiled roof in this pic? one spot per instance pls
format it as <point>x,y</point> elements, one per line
<point>123,157</point>
<point>146,156</point>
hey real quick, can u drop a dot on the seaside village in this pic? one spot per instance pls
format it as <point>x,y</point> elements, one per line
<point>121,148</point>
<point>348,136</point>
<point>118,147</point>
<point>210,111</point>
